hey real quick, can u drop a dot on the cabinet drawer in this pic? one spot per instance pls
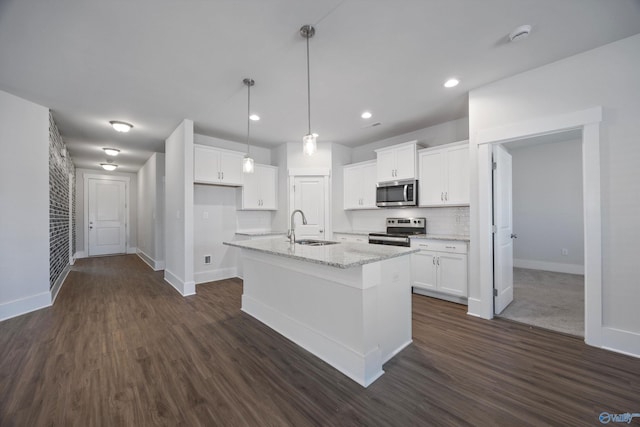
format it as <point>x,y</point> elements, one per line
<point>449,246</point>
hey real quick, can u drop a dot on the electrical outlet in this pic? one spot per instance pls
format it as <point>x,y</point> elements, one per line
<point>205,215</point>
<point>207,259</point>
<point>565,252</point>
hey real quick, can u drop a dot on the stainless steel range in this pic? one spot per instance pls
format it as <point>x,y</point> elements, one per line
<point>399,230</point>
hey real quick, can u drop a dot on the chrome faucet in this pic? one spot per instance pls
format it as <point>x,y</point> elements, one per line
<point>292,233</point>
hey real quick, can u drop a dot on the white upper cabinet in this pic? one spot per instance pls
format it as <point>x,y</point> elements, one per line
<point>444,175</point>
<point>260,188</point>
<point>360,186</point>
<point>217,166</point>
<point>397,162</point>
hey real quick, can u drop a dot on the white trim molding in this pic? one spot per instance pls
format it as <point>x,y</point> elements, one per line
<point>309,172</point>
<point>25,305</point>
<point>58,284</point>
<point>481,256</point>
<point>154,264</point>
<point>215,275</point>
<point>557,267</point>
<point>183,288</point>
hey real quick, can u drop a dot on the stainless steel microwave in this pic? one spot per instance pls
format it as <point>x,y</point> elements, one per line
<point>397,193</point>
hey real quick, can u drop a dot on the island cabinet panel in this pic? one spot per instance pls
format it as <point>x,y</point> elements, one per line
<point>355,318</point>
<point>397,162</point>
<point>360,186</point>
<point>444,175</point>
<point>259,190</point>
<point>217,166</point>
<point>440,269</point>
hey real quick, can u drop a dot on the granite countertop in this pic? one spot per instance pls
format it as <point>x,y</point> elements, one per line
<point>260,233</point>
<point>340,255</point>
<point>358,232</point>
<point>458,237</point>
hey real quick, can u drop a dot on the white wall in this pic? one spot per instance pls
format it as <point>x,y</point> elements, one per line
<point>280,217</point>
<point>607,77</point>
<point>24,206</point>
<point>547,206</point>
<point>444,133</point>
<point>215,219</point>
<point>340,156</point>
<point>132,220</point>
<point>179,209</point>
<point>151,211</point>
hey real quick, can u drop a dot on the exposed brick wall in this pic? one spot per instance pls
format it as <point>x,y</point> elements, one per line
<point>59,188</point>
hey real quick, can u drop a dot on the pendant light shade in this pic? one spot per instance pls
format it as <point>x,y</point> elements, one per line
<point>247,162</point>
<point>309,144</point>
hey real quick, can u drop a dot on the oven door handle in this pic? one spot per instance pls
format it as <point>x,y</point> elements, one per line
<point>406,190</point>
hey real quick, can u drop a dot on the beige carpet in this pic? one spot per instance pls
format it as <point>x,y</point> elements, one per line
<point>548,300</point>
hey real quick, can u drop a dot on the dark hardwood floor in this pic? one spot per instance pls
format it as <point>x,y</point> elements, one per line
<point>121,348</point>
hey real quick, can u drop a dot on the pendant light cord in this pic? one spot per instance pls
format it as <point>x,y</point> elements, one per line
<point>308,87</point>
<point>248,114</point>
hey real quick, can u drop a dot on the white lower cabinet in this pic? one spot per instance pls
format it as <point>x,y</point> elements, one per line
<point>440,266</point>
<point>357,238</point>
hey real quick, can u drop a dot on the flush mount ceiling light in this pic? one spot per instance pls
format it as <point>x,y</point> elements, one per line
<point>451,83</point>
<point>522,32</point>
<point>111,151</point>
<point>366,115</point>
<point>247,162</point>
<point>254,117</point>
<point>309,144</point>
<point>108,166</point>
<point>121,126</point>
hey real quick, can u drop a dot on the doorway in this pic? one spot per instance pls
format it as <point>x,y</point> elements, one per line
<point>309,193</point>
<point>481,143</point>
<point>106,213</point>
<point>547,271</point>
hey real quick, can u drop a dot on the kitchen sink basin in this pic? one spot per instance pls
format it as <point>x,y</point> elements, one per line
<point>313,242</point>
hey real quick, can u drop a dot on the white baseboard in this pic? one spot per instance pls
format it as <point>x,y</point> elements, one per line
<point>184,288</point>
<point>439,295</point>
<point>620,341</point>
<point>24,305</point>
<point>58,284</point>
<point>80,254</point>
<point>217,274</point>
<point>155,265</point>
<point>132,250</point>
<point>549,266</point>
<point>477,308</point>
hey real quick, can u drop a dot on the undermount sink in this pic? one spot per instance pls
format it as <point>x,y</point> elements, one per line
<point>313,242</point>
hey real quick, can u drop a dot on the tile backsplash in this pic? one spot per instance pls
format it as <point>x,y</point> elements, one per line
<point>445,220</point>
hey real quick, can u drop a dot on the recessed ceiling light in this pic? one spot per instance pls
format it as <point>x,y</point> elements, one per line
<point>111,151</point>
<point>108,166</point>
<point>254,117</point>
<point>522,32</point>
<point>366,115</point>
<point>121,126</point>
<point>451,83</point>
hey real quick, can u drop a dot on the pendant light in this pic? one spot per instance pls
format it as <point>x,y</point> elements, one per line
<point>309,145</point>
<point>247,162</point>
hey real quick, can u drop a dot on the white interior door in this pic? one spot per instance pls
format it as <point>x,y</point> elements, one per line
<point>107,219</point>
<point>309,197</point>
<point>503,236</point>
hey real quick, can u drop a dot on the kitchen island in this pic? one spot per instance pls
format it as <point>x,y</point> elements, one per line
<point>347,303</point>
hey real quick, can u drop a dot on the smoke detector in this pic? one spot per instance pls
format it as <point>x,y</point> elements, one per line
<point>520,33</point>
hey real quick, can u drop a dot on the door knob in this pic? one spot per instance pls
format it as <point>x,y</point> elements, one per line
<point>514,236</point>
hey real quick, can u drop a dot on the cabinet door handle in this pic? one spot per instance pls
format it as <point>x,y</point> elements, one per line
<point>222,175</point>
<point>218,174</point>
<point>438,262</point>
<point>442,197</point>
<point>446,195</point>
<point>434,260</point>
<point>450,247</point>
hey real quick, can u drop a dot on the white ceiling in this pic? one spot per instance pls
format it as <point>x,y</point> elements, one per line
<point>154,62</point>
